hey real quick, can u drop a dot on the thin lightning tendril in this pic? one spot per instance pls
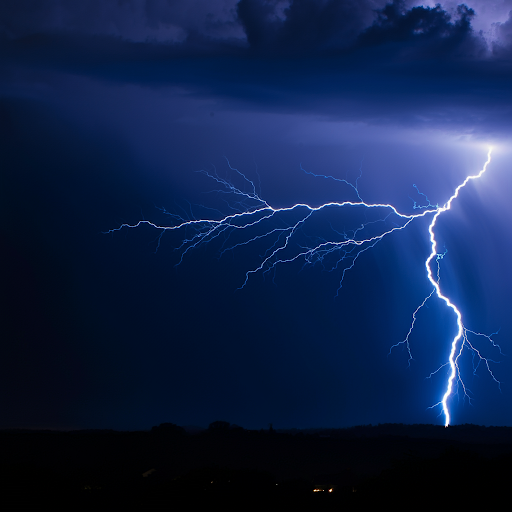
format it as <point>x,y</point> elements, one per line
<point>283,227</point>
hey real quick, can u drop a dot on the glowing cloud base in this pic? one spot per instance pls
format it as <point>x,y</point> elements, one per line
<point>282,229</point>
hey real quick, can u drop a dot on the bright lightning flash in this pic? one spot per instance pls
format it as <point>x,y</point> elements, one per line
<point>462,331</point>
<point>285,229</point>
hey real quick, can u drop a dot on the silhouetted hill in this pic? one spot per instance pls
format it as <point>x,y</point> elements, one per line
<point>465,433</point>
<point>226,463</point>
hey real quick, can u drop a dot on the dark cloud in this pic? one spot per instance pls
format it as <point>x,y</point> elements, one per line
<point>355,33</point>
<point>307,25</point>
<point>424,32</point>
<point>324,27</point>
<point>502,46</point>
<point>301,28</point>
<point>257,19</point>
<point>352,60</point>
<point>133,20</point>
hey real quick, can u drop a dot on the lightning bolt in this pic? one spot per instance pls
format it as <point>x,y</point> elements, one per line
<point>285,231</point>
<point>462,331</point>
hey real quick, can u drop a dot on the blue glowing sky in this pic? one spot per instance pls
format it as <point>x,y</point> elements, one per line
<point>108,109</point>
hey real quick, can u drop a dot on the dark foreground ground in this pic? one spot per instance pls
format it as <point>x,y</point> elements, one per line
<point>237,469</point>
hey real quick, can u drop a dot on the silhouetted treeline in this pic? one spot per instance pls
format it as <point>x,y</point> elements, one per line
<point>465,433</point>
<point>225,463</point>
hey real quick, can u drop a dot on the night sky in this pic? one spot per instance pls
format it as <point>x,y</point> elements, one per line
<point>108,110</point>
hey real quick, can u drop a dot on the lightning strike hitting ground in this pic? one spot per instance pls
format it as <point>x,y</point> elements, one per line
<point>252,220</point>
<point>462,331</point>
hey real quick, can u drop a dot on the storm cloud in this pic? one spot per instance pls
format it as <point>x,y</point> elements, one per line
<point>343,56</point>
